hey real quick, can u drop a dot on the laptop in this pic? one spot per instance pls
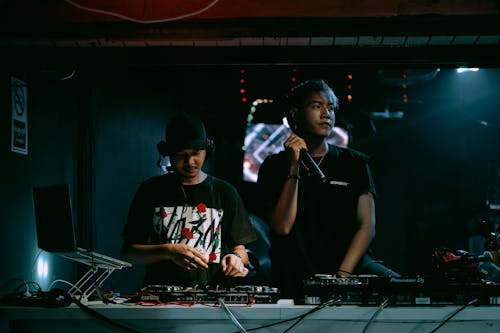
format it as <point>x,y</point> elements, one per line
<point>55,231</point>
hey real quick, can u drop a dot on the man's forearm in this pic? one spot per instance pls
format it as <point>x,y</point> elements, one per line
<point>359,244</point>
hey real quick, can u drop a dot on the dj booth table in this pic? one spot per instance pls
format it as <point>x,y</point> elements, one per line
<point>201,318</point>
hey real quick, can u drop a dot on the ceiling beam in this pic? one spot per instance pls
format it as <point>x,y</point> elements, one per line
<point>423,26</point>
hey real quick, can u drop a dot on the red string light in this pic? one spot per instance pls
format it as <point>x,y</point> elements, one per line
<point>242,88</point>
<point>404,86</point>
<point>349,88</point>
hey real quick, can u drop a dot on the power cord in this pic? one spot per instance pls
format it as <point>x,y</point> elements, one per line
<point>27,293</point>
<point>299,317</point>
<point>231,316</point>
<point>99,316</point>
<point>382,306</point>
<point>319,307</point>
<point>64,281</point>
<point>474,301</point>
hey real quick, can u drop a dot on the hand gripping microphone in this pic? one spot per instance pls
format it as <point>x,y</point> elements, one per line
<point>304,154</point>
<point>312,165</point>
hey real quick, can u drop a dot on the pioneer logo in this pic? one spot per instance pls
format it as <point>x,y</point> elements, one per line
<point>407,280</point>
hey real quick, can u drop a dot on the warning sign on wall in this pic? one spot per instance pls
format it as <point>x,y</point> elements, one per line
<point>19,96</point>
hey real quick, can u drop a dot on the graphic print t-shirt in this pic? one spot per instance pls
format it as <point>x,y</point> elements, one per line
<point>209,216</point>
<point>199,227</point>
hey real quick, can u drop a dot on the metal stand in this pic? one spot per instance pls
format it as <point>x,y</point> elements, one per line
<point>101,267</point>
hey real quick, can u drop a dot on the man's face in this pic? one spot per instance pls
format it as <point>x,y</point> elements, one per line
<point>317,116</point>
<point>187,163</point>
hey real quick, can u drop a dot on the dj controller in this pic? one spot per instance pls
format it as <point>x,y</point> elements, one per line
<point>373,290</point>
<point>360,290</point>
<point>242,295</point>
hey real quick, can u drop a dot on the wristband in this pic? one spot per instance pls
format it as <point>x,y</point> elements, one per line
<point>341,270</point>
<point>247,265</point>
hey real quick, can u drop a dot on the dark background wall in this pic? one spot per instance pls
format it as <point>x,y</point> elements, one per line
<point>98,129</point>
<point>52,158</point>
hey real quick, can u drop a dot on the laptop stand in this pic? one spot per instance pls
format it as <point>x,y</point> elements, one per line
<point>100,268</point>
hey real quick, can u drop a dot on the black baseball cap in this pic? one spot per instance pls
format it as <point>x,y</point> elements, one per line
<point>185,131</point>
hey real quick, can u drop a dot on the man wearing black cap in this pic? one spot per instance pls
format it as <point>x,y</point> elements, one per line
<point>188,226</point>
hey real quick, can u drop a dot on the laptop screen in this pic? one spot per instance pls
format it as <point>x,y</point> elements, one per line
<point>53,217</point>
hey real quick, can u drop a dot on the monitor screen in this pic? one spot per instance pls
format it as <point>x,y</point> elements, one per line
<point>54,223</point>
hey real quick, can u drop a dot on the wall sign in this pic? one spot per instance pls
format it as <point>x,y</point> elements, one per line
<point>19,130</point>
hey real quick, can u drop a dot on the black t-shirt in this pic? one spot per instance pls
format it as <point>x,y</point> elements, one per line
<point>209,216</point>
<point>326,215</point>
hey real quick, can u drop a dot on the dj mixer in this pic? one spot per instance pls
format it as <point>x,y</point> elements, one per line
<point>374,290</point>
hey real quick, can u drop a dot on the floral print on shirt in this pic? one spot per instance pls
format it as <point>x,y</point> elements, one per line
<point>198,226</point>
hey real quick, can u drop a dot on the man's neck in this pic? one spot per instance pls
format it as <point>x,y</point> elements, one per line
<point>195,180</point>
<point>317,148</point>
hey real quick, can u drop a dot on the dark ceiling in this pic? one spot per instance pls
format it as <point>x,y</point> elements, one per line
<point>455,31</point>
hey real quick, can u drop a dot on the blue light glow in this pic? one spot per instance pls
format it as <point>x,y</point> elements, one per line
<point>42,267</point>
<point>464,69</point>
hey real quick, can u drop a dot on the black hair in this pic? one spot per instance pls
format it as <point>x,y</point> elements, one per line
<point>298,95</point>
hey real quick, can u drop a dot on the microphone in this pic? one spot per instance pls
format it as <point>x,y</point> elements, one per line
<point>312,165</point>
